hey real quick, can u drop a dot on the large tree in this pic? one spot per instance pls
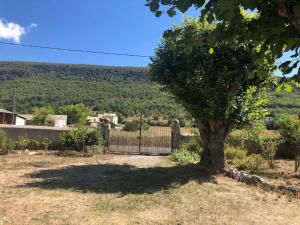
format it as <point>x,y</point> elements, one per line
<point>277,27</point>
<point>219,85</point>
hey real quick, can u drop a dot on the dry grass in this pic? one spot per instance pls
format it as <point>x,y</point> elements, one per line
<point>282,174</point>
<point>130,190</point>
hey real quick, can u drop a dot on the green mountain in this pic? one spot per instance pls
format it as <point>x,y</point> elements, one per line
<point>107,89</point>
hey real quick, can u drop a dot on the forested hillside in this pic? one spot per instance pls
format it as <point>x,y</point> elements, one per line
<point>125,90</point>
<point>117,89</point>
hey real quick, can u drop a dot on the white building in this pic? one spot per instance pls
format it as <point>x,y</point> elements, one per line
<point>59,121</point>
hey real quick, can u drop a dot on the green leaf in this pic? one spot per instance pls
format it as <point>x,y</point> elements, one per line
<point>211,51</point>
<point>279,88</point>
<point>171,12</point>
<point>288,88</point>
<point>154,5</point>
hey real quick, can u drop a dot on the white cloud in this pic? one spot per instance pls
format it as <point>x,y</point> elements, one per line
<point>13,31</point>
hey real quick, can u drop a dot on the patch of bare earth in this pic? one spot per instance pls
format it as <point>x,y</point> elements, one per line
<point>130,190</point>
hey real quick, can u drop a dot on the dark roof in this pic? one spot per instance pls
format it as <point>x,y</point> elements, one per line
<point>9,112</point>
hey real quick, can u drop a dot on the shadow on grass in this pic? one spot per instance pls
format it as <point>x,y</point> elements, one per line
<point>115,178</point>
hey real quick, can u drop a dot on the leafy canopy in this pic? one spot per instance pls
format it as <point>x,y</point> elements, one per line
<point>41,115</point>
<point>77,113</point>
<point>276,25</point>
<point>216,82</point>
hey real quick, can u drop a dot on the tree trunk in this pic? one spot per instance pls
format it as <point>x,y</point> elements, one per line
<point>213,134</point>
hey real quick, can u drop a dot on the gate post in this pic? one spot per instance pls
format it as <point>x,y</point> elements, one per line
<point>106,134</point>
<point>175,135</point>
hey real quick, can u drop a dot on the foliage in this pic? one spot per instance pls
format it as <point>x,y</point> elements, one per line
<point>121,118</point>
<point>235,153</point>
<point>77,113</point>
<point>289,128</point>
<point>239,158</point>
<point>275,25</point>
<point>23,143</point>
<point>252,162</point>
<point>269,148</point>
<point>220,85</point>
<point>135,125</point>
<point>183,156</point>
<point>41,115</point>
<point>211,86</point>
<point>5,144</point>
<point>194,145</point>
<point>104,89</point>
<point>46,142</point>
<point>81,138</point>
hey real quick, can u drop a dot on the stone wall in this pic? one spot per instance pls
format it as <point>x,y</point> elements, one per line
<point>33,132</point>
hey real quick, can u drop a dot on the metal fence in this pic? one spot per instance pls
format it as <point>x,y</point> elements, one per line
<point>153,141</point>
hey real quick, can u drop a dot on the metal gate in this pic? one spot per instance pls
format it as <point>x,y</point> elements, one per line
<point>153,141</point>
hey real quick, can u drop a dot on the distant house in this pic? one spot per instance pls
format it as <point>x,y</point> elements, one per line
<point>59,121</point>
<point>95,120</point>
<point>111,117</point>
<point>8,117</point>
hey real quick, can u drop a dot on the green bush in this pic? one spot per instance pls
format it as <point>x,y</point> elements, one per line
<point>252,162</point>
<point>135,125</point>
<point>289,128</point>
<point>269,148</point>
<point>23,143</point>
<point>183,156</point>
<point>194,145</point>
<point>2,139</point>
<point>6,145</point>
<point>82,138</point>
<point>238,158</point>
<point>233,153</point>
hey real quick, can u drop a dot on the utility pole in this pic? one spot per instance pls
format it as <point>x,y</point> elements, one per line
<point>14,107</point>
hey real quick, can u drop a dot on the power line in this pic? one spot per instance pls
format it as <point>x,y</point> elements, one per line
<point>75,50</point>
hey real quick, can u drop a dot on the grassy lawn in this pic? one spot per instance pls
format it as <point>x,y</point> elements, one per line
<point>116,189</point>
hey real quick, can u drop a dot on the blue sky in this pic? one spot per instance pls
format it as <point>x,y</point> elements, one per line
<point>125,26</point>
<point>112,26</point>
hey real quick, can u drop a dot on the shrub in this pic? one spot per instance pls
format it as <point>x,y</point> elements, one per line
<point>289,128</point>
<point>252,162</point>
<point>81,138</point>
<point>238,157</point>
<point>233,153</point>
<point>183,156</point>
<point>23,143</point>
<point>2,139</point>
<point>194,145</point>
<point>5,144</point>
<point>252,138</point>
<point>135,125</point>
<point>234,141</point>
<point>46,143</point>
<point>269,147</point>
<point>121,118</point>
